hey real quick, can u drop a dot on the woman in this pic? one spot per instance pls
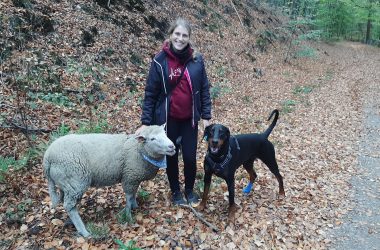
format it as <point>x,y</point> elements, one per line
<point>177,93</point>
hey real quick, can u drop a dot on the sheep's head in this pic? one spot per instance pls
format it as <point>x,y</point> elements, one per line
<point>155,141</point>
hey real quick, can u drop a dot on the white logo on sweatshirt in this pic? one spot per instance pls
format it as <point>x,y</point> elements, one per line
<point>174,73</point>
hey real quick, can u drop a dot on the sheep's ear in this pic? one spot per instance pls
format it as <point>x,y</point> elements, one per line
<point>140,138</point>
<point>163,125</point>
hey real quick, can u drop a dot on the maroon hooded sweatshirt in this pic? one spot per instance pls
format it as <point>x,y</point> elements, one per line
<point>181,100</point>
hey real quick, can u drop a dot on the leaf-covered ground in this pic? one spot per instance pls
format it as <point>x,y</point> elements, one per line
<point>317,137</point>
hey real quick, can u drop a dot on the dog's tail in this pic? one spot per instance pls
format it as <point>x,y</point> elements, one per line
<point>270,128</point>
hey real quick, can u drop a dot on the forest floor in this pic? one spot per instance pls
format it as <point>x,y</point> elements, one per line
<point>326,141</point>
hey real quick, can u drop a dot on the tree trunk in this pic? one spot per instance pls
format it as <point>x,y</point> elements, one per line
<point>368,33</point>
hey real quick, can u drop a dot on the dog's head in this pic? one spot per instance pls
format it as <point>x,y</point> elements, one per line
<point>216,136</point>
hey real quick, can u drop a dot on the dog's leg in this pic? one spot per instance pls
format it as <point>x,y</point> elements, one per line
<point>206,190</point>
<point>231,199</point>
<point>281,190</point>
<point>252,176</point>
<point>270,160</point>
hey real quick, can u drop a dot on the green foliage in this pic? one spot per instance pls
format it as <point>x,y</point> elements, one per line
<point>297,32</point>
<point>62,130</point>
<point>199,184</point>
<point>5,163</point>
<point>56,98</point>
<point>125,216</point>
<point>39,77</point>
<point>131,245</point>
<point>140,101</point>
<point>328,75</point>
<point>100,126</point>
<point>8,162</point>
<point>265,38</point>
<point>348,19</point>
<point>213,27</point>
<point>34,154</point>
<point>136,59</point>
<point>217,90</point>
<point>143,194</point>
<point>247,99</point>
<point>334,17</point>
<point>22,4</point>
<point>221,71</point>
<point>306,51</point>
<point>16,213</point>
<point>89,75</point>
<point>5,51</point>
<point>288,106</point>
<point>98,231</point>
<point>132,85</point>
<point>302,90</point>
<point>357,20</point>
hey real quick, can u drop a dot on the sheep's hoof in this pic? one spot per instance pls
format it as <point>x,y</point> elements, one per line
<point>84,234</point>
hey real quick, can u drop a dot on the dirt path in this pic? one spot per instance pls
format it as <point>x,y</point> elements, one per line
<point>361,226</point>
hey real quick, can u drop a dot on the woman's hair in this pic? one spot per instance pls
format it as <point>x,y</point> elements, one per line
<point>179,22</point>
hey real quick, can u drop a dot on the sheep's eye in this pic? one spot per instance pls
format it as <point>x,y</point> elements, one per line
<point>152,139</point>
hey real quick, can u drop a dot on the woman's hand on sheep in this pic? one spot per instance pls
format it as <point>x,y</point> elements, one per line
<point>140,129</point>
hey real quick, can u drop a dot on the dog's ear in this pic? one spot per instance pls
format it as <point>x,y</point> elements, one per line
<point>228,134</point>
<point>206,133</point>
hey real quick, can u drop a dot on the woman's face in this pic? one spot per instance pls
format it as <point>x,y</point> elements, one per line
<point>180,37</point>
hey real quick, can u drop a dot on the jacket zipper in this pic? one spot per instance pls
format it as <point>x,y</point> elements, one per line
<point>166,94</point>
<point>192,96</point>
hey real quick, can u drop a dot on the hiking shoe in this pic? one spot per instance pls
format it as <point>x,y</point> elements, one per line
<point>191,197</point>
<point>177,198</point>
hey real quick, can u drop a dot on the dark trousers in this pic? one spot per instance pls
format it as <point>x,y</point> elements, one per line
<point>189,142</point>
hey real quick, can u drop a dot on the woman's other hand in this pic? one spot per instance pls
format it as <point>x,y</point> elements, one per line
<point>206,123</point>
<point>141,128</point>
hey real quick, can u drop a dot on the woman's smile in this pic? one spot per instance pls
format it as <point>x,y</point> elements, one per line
<point>180,38</point>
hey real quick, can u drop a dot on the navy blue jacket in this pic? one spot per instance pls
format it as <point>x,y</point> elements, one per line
<point>157,91</point>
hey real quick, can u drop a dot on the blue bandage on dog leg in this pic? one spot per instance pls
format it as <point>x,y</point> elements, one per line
<point>248,188</point>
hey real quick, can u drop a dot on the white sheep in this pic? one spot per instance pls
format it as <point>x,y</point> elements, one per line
<point>73,163</point>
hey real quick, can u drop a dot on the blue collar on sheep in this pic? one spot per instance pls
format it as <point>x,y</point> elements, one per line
<point>159,164</point>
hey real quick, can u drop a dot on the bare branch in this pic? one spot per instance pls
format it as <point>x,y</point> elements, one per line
<point>214,228</point>
<point>25,130</point>
<point>233,5</point>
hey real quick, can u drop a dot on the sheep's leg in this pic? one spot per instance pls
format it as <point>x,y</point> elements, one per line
<point>132,200</point>
<point>71,197</point>
<point>130,190</point>
<point>54,196</point>
<point>78,223</point>
<point>70,206</point>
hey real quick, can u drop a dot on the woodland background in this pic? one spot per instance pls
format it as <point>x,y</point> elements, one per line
<point>80,67</point>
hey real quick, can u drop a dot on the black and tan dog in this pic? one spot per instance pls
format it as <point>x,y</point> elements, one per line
<point>226,153</point>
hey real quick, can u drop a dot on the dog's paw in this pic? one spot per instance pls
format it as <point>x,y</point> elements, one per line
<point>201,207</point>
<point>248,188</point>
<point>281,196</point>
